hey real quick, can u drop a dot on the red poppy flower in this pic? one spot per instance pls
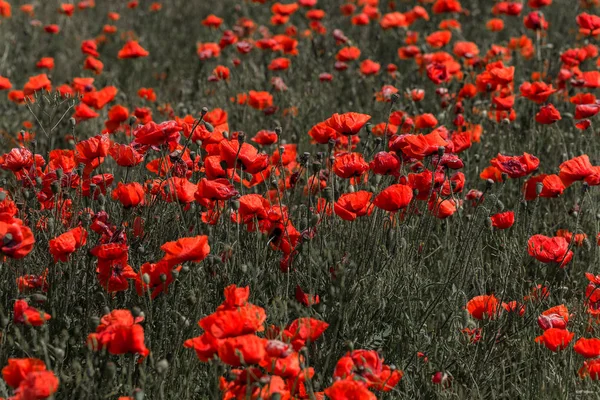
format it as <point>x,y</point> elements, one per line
<point>547,115</point>
<point>130,194</point>
<point>125,155</point>
<point>259,100</point>
<point>25,314</point>
<point>554,317</point>
<point>575,169</point>
<point>421,146</point>
<point>303,330</point>
<point>394,198</point>
<point>18,369</point>
<point>113,269</point>
<point>537,91</point>
<point>503,220</point>
<point>120,333</point>
<point>242,350</point>
<point>555,339</point>
<point>385,163</point>
<point>349,389</point>
<point>194,249</point>
<point>352,205</point>
<point>132,49</point>
<point>155,277</point>
<point>588,24</point>
<point>590,368</point>
<point>551,186</point>
<point>483,306</point>
<point>349,165</point>
<point>265,137</point>
<point>516,166</point>
<point>16,239</point>
<point>64,245</point>
<point>217,189</point>
<point>549,249</point>
<point>37,83</point>
<point>588,348</point>
<point>245,156</point>
<point>349,53</point>
<point>153,134</point>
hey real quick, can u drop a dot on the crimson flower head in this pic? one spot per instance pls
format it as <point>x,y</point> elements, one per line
<point>516,166</point>
<point>503,220</point>
<point>28,315</point>
<point>394,197</point>
<point>132,49</point>
<point>349,165</point>
<point>156,135</point>
<point>119,333</point>
<point>555,339</point>
<point>352,205</point>
<point>194,249</point>
<point>64,245</point>
<point>483,306</point>
<point>548,114</point>
<point>550,249</point>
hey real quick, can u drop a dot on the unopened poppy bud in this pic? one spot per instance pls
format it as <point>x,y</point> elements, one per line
<point>274,183</point>
<point>101,199</point>
<point>27,194</point>
<point>185,269</point>
<point>59,173</point>
<point>226,135</point>
<point>72,121</point>
<point>55,187</point>
<point>110,369</point>
<point>193,155</point>
<point>278,130</point>
<point>59,353</point>
<point>331,144</point>
<point>38,180</point>
<point>208,126</point>
<point>175,274</point>
<point>585,187</point>
<point>369,127</point>
<point>138,394</point>
<point>4,322</point>
<point>275,396</point>
<point>351,189</point>
<point>163,278</point>
<point>38,298</point>
<point>538,188</point>
<point>2,196</point>
<point>146,279</point>
<point>162,366</point>
<point>204,111</point>
<point>489,183</point>
<point>328,194</point>
<point>500,205</point>
<point>241,137</point>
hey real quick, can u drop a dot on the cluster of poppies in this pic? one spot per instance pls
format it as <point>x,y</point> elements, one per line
<point>276,363</point>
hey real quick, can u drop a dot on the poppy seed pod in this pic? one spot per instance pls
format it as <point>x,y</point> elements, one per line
<point>278,130</point>
<point>241,137</point>
<point>538,188</point>
<point>204,111</point>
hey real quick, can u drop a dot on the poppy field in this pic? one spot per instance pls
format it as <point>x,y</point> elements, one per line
<point>319,199</point>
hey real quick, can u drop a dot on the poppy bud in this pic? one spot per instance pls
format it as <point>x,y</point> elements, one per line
<point>59,353</point>
<point>110,369</point>
<point>138,394</point>
<point>204,111</point>
<point>146,279</point>
<point>226,135</point>
<point>39,298</point>
<point>101,199</point>
<point>241,137</point>
<point>2,196</point>
<point>4,322</point>
<point>163,278</point>
<point>72,121</point>
<point>278,130</point>
<point>175,274</point>
<point>27,194</point>
<point>585,187</point>
<point>369,127</point>
<point>394,97</point>
<point>162,366</point>
<point>538,188</point>
<point>489,183</point>
<point>441,151</point>
<point>55,187</point>
<point>208,126</point>
<point>328,194</point>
